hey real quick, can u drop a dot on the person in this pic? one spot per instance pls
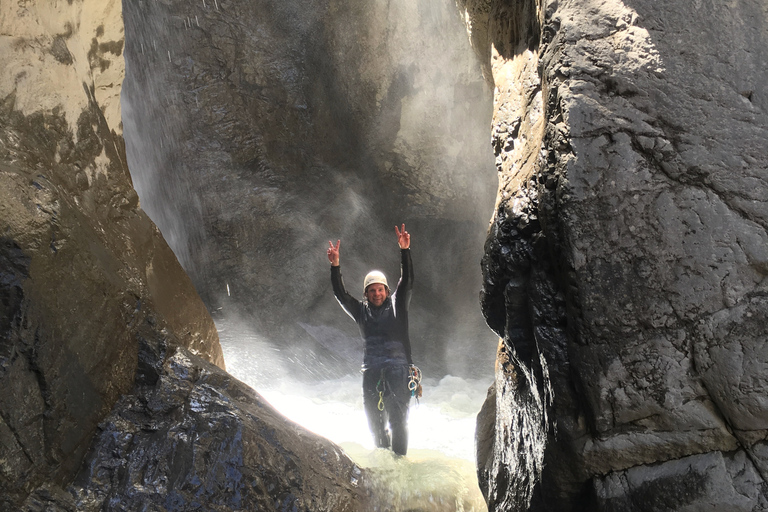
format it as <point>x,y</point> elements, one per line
<point>382,318</point>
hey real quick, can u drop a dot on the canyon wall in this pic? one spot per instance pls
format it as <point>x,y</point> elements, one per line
<point>86,277</point>
<point>625,269</point>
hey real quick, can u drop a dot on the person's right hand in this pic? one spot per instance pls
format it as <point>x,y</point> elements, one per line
<point>333,253</point>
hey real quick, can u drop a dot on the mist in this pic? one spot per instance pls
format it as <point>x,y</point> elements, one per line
<point>256,133</point>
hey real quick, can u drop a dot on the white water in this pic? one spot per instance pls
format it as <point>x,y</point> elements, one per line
<point>438,474</point>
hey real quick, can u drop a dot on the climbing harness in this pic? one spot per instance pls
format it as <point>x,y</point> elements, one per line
<point>381,386</point>
<point>414,381</point>
<point>414,385</point>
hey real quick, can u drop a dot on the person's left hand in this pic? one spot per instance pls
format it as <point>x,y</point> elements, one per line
<point>333,253</point>
<point>403,237</point>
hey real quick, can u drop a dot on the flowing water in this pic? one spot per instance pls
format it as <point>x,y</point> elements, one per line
<point>438,474</point>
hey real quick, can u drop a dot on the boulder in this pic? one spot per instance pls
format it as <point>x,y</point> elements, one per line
<point>191,436</point>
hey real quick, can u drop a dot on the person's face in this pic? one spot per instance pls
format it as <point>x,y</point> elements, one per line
<point>376,294</point>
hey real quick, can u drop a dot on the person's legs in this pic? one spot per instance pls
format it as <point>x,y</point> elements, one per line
<point>398,422</point>
<point>396,404</point>
<point>377,419</point>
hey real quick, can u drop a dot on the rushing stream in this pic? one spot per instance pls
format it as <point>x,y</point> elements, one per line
<point>438,474</point>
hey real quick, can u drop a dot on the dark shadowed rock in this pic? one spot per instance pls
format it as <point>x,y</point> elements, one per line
<point>712,481</point>
<point>485,434</point>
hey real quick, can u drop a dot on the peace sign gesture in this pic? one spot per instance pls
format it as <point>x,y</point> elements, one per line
<point>403,237</point>
<point>333,253</point>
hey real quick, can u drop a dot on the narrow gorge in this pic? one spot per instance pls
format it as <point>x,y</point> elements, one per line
<point>586,183</point>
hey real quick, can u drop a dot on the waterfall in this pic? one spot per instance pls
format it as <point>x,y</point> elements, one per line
<point>256,132</point>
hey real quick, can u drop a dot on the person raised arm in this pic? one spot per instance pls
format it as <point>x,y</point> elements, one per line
<point>404,286</point>
<point>406,267</point>
<point>350,304</point>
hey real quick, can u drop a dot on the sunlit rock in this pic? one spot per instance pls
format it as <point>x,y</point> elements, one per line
<point>85,277</point>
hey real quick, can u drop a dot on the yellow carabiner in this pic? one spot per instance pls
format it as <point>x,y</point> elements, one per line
<point>381,400</point>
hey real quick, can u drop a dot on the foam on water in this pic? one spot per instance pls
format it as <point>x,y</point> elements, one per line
<point>439,471</point>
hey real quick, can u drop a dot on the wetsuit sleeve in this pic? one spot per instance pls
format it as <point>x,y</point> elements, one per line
<point>350,304</point>
<point>405,285</point>
<point>403,297</point>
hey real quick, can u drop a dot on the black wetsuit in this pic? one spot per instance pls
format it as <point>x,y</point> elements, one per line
<point>384,330</point>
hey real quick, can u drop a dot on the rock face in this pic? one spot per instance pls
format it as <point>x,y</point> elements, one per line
<point>193,437</point>
<point>625,269</point>
<point>258,131</point>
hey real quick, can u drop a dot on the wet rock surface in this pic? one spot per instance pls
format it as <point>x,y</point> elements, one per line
<point>197,438</point>
<point>625,268</point>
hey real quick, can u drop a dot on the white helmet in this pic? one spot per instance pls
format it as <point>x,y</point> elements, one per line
<point>373,277</point>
